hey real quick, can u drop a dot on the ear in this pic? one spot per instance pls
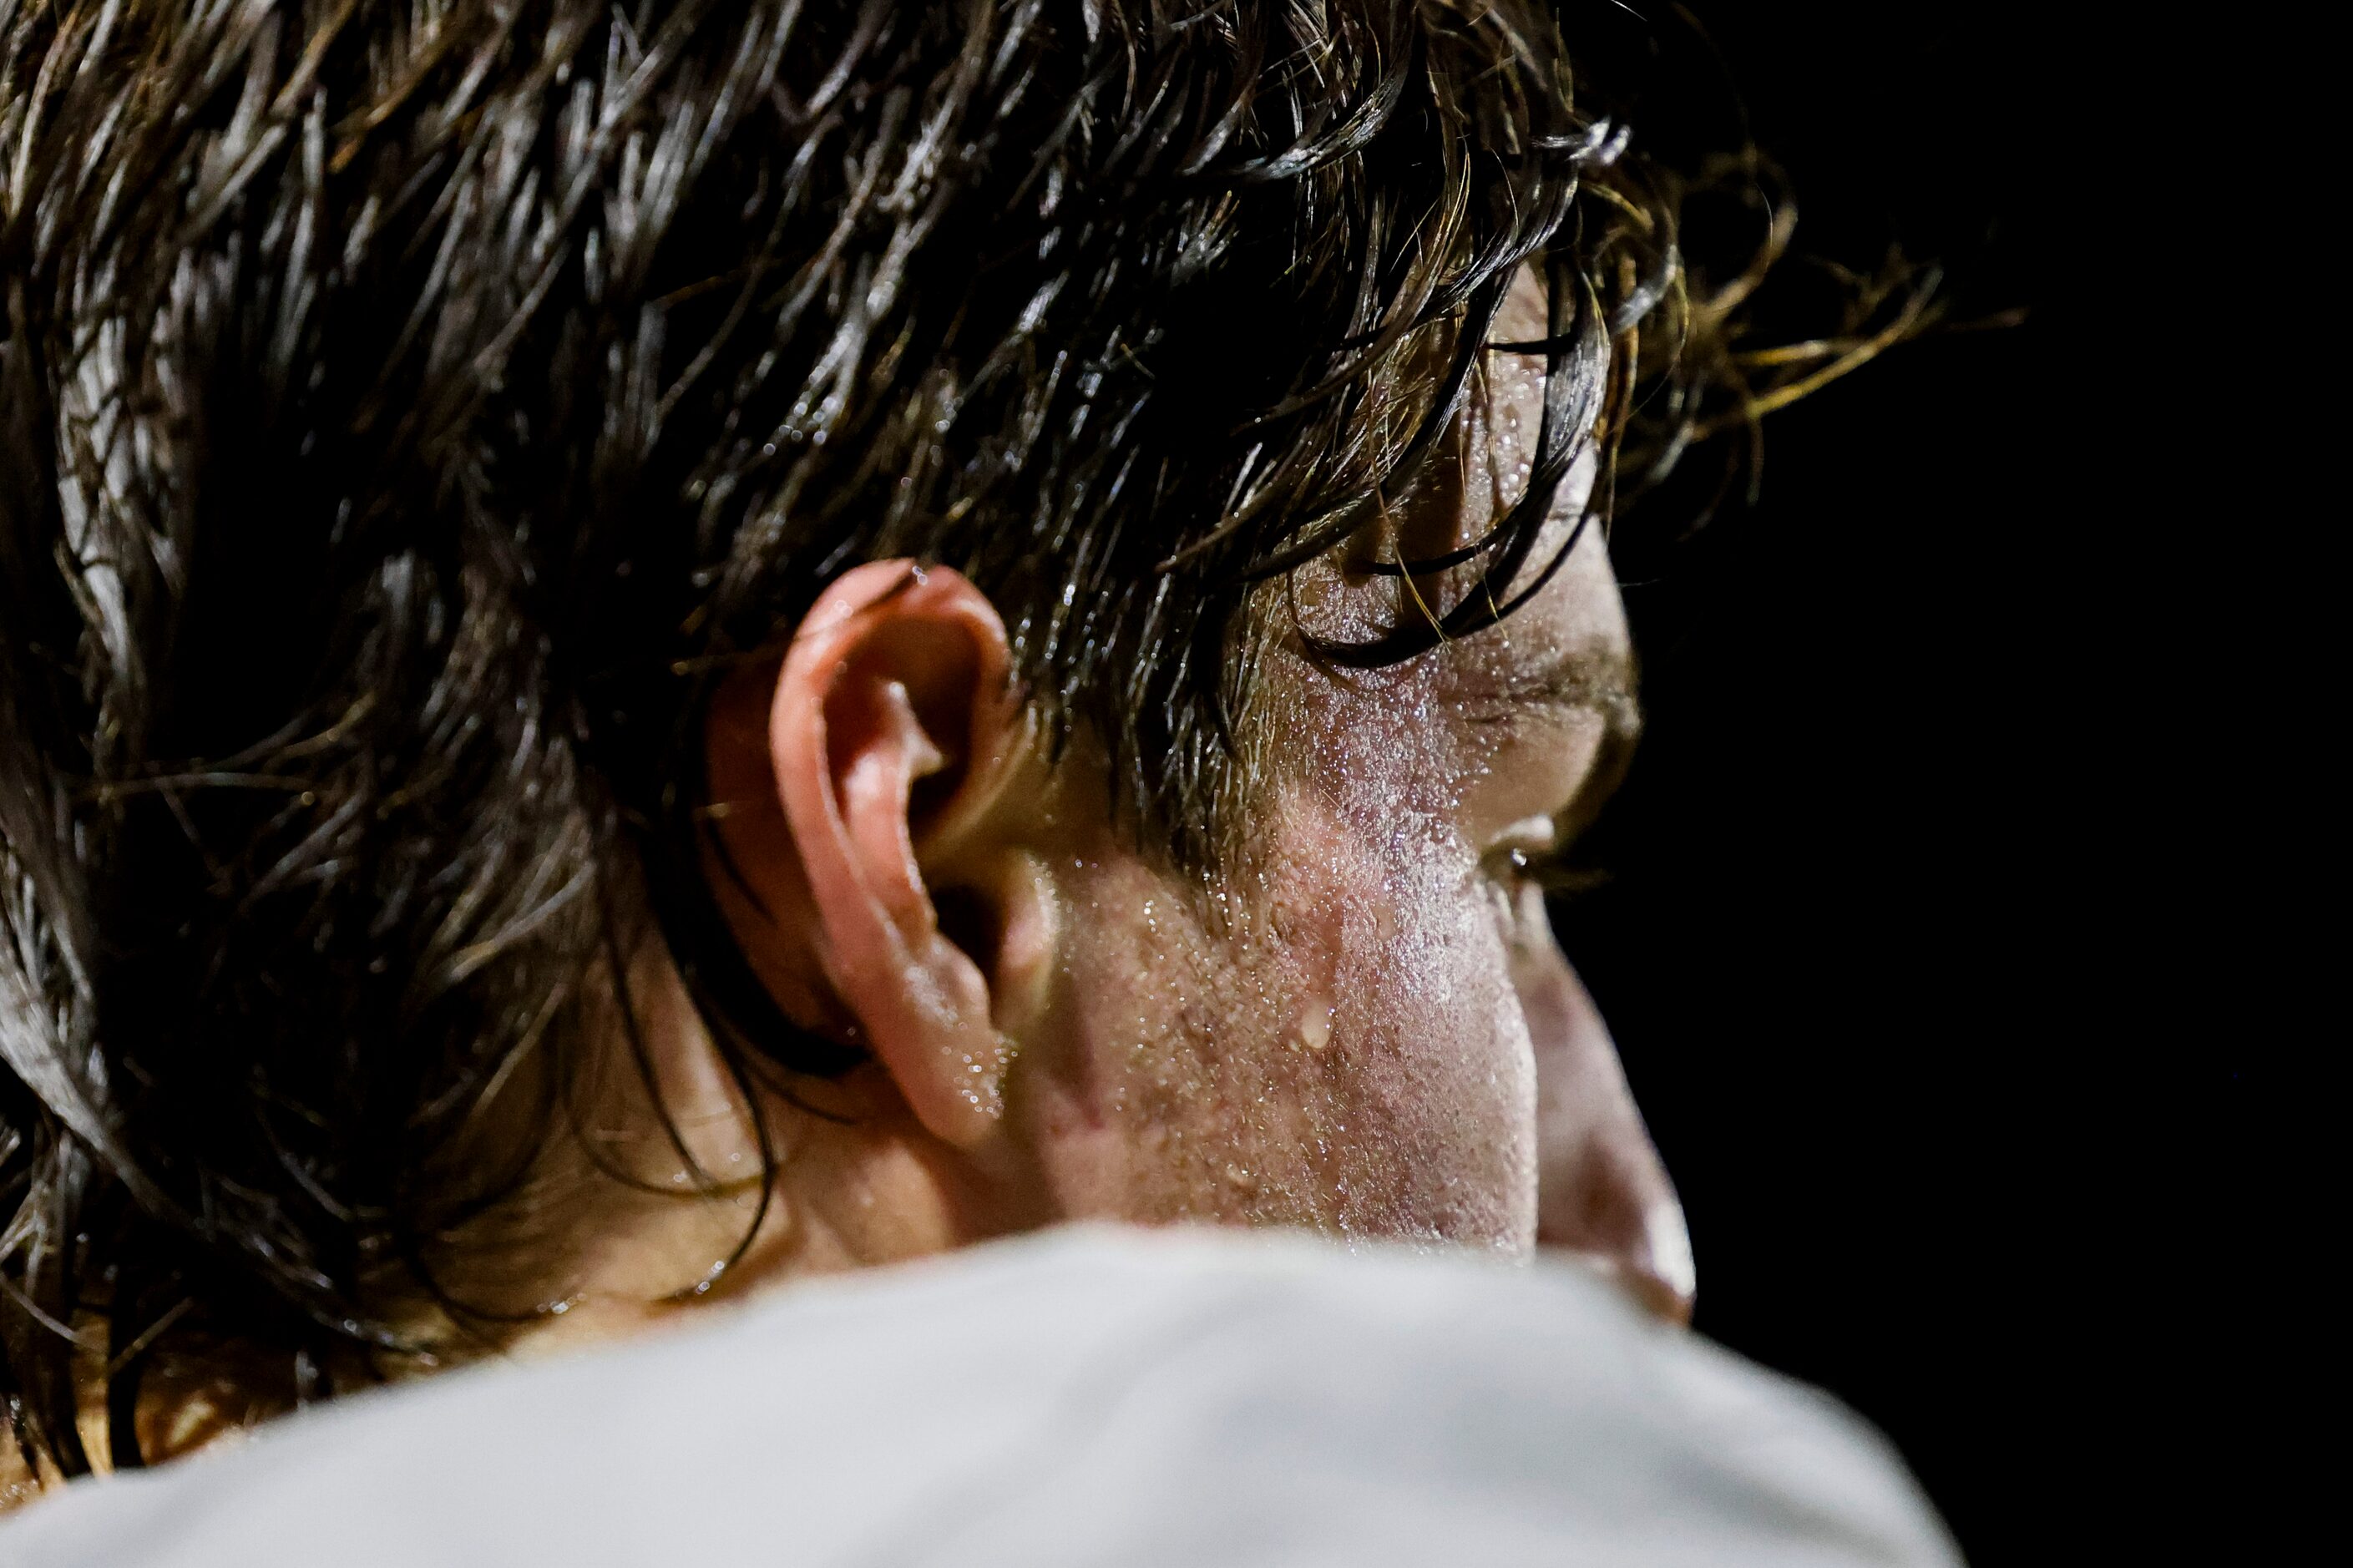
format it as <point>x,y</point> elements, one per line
<point>892,731</point>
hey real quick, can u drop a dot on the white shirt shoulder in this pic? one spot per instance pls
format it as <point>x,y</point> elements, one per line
<point>1094,1397</point>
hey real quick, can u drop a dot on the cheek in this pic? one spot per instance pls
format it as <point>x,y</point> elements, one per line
<point>1333,1043</point>
<point>1427,1047</point>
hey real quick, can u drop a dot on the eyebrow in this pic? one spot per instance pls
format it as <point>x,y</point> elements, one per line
<point>1583,679</point>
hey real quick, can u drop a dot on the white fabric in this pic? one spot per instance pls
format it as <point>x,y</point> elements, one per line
<point>1094,1397</point>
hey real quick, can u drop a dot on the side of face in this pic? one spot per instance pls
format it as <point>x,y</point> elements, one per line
<point>1335,1030</point>
<point>1358,1022</point>
<point>1327,1032</point>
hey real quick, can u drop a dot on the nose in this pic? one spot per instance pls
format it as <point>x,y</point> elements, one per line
<point>1601,1189</point>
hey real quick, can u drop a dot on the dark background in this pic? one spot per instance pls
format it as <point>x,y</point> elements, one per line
<point>1925,940</point>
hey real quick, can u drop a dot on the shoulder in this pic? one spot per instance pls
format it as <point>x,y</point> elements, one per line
<point>1094,1396</point>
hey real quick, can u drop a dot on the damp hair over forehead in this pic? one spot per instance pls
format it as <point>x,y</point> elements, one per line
<point>409,411</point>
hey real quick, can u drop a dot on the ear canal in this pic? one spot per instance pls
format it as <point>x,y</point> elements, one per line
<point>965,917</point>
<point>1004,916</point>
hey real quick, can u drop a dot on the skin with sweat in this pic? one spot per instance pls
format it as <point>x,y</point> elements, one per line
<point>1358,1023</point>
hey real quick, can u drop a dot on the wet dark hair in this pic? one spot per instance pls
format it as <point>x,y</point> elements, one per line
<point>407,411</point>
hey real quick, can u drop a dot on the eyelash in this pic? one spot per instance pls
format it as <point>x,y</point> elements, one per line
<point>1554,871</point>
<point>1558,872</point>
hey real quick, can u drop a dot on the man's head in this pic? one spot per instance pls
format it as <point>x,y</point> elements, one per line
<point>643,647</point>
<point>1320,1028</point>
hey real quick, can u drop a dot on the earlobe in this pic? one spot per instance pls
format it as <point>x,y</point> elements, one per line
<point>891,727</point>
